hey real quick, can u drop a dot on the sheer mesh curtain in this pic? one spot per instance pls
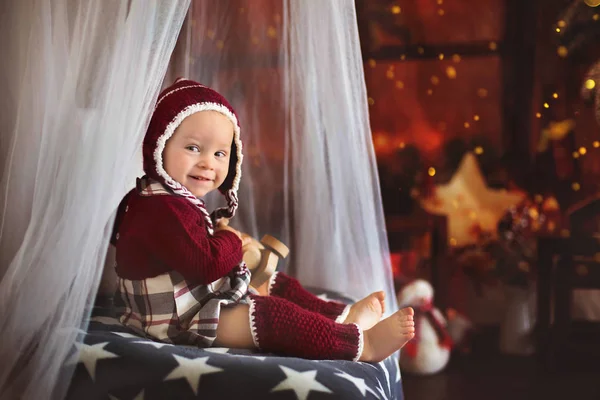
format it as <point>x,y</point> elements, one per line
<point>293,71</point>
<point>79,79</point>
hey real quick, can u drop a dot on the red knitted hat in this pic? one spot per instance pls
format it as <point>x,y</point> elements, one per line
<point>174,104</point>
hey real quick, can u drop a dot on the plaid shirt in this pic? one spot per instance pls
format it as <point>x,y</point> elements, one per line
<point>170,309</point>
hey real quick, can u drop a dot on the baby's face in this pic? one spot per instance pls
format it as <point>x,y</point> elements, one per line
<point>197,155</point>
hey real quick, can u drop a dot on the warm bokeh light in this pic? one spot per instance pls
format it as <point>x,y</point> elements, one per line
<point>582,150</point>
<point>592,3</point>
<point>478,150</point>
<point>431,171</point>
<point>451,72</point>
<point>381,141</point>
<point>562,51</point>
<point>538,198</point>
<point>590,84</point>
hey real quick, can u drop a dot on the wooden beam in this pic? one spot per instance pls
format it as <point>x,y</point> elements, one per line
<point>432,51</point>
<point>518,67</point>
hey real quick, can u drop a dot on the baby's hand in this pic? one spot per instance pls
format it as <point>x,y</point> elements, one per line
<point>222,225</point>
<point>246,239</point>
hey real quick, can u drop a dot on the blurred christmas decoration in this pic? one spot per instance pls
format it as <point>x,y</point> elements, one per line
<point>590,89</point>
<point>579,28</point>
<point>429,351</point>
<point>470,206</point>
<point>382,18</point>
<point>516,249</point>
<point>510,257</point>
<point>556,130</point>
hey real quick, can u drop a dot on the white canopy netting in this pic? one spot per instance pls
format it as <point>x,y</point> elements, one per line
<point>80,83</point>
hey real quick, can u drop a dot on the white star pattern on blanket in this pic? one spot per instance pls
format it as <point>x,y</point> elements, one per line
<point>89,356</point>
<point>157,345</point>
<point>126,335</point>
<point>218,350</point>
<point>302,383</point>
<point>116,363</point>
<point>192,370</point>
<point>358,382</point>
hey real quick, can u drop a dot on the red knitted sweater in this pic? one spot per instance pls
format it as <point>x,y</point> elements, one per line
<point>162,233</point>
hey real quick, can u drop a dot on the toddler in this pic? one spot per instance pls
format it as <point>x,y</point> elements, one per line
<point>181,278</point>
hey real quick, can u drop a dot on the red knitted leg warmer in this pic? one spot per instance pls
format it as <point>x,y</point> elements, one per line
<point>290,289</point>
<point>280,326</point>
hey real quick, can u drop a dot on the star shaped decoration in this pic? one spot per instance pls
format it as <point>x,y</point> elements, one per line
<point>302,383</point>
<point>470,206</point>
<point>89,356</point>
<point>191,370</point>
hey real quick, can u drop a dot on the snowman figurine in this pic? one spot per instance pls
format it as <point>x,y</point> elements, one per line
<point>429,351</point>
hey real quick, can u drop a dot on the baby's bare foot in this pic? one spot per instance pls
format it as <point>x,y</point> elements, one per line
<point>388,336</point>
<point>367,312</point>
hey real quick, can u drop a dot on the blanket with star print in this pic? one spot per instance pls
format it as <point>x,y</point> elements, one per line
<point>114,363</point>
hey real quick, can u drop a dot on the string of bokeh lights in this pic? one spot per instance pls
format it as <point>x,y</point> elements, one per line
<point>452,73</point>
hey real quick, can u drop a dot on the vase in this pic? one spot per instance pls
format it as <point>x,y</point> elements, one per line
<point>517,327</point>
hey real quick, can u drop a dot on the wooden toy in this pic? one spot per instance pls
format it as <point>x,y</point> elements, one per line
<point>262,257</point>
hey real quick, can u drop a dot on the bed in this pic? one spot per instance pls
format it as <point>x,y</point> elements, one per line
<point>116,364</point>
